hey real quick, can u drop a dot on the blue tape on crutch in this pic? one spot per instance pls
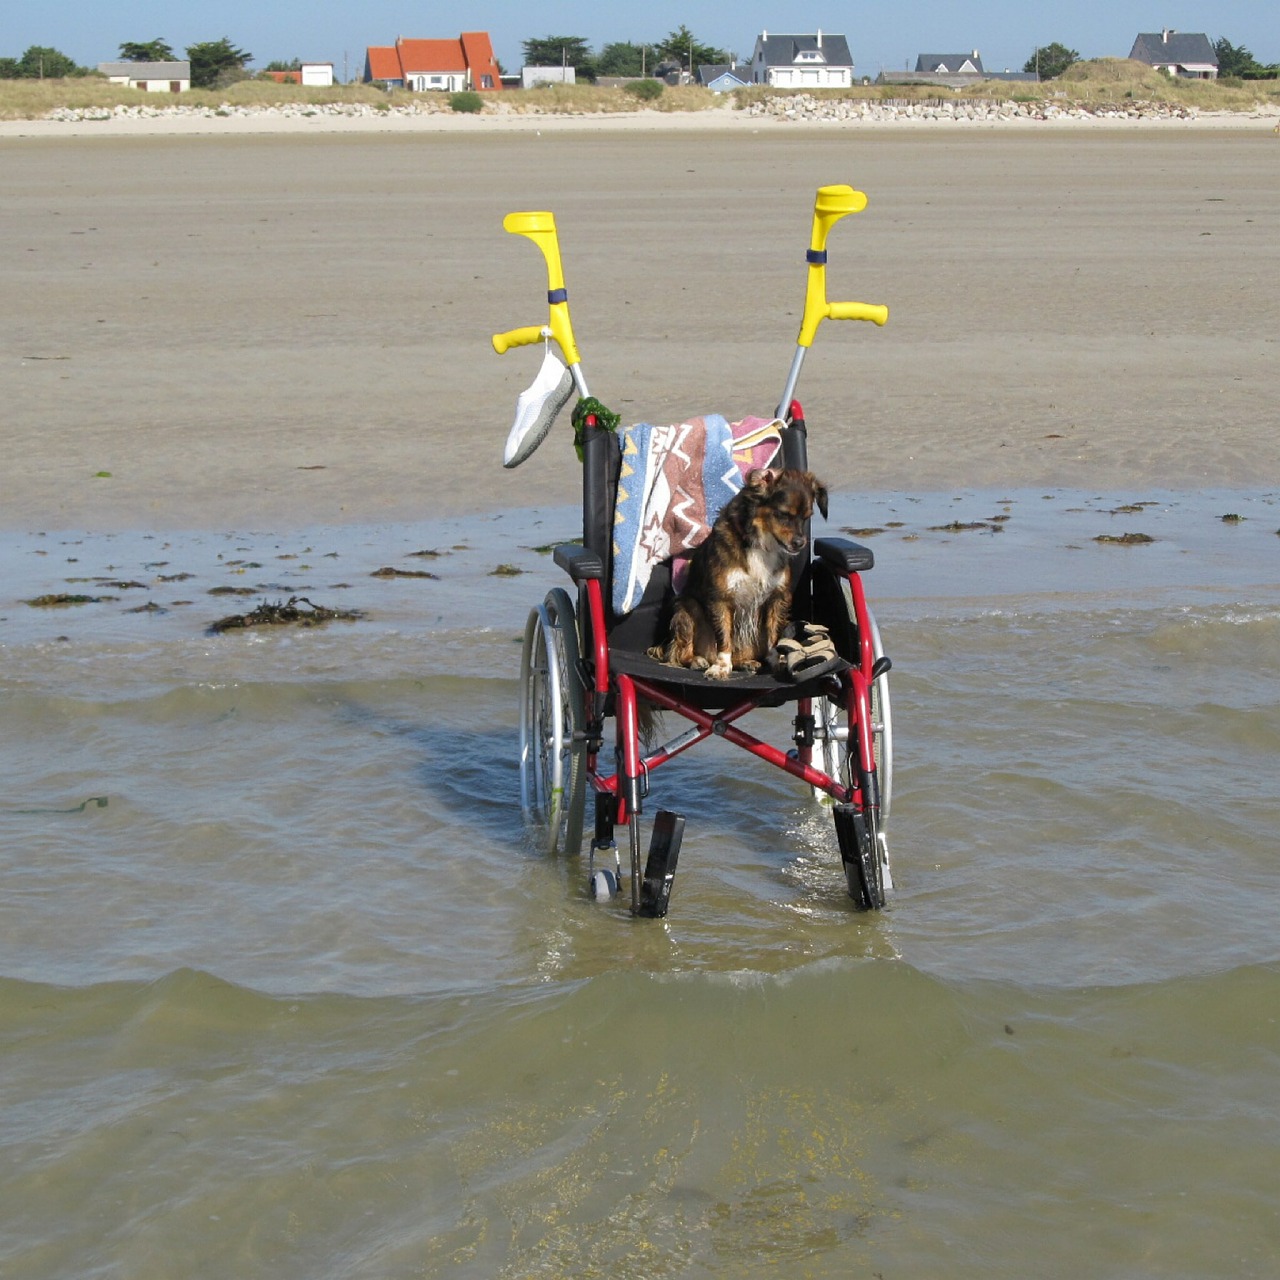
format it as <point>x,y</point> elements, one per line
<point>816,257</point>
<point>557,295</point>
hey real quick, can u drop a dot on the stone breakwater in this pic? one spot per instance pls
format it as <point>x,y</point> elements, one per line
<point>794,108</point>
<point>283,111</point>
<point>805,108</point>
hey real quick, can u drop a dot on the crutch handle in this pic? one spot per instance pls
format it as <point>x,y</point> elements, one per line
<point>531,333</point>
<point>858,311</point>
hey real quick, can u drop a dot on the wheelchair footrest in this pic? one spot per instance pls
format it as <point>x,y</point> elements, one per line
<point>660,867</point>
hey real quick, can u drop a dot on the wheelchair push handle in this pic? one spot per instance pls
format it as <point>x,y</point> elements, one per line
<point>540,227</point>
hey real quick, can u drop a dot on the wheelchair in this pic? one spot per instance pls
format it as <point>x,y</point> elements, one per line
<point>588,685</point>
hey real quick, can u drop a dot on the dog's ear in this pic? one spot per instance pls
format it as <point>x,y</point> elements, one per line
<point>761,479</point>
<point>819,491</point>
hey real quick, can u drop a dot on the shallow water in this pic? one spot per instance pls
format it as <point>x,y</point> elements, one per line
<point>298,1001</point>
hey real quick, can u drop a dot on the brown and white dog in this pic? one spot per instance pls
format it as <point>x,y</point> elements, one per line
<point>737,596</point>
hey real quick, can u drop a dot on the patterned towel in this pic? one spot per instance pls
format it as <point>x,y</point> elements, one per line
<point>673,483</point>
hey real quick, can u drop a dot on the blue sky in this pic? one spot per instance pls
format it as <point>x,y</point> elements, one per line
<point>880,35</point>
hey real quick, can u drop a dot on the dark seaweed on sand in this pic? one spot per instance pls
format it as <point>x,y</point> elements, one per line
<point>1125,539</point>
<point>61,599</point>
<point>389,572</point>
<point>296,611</point>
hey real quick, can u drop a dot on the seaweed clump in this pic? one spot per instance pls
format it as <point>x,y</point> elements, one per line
<point>296,611</point>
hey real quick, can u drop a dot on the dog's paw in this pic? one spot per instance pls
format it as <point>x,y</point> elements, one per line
<point>720,669</point>
<point>750,666</point>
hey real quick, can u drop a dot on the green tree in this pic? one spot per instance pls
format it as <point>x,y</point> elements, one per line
<point>1051,60</point>
<point>1236,60</point>
<point>216,63</point>
<point>9,69</point>
<point>147,51</point>
<point>295,65</point>
<point>42,63</point>
<point>683,47</point>
<point>622,58</point>
<point>560,51</point>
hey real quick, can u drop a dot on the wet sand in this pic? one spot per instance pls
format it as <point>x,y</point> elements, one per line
<point>279,330</point>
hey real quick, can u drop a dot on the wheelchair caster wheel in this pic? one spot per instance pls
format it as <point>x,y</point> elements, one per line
<point>604,885</point>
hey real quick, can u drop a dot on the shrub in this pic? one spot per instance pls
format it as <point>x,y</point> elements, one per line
<point>467,102</point>
<point>645,90</point>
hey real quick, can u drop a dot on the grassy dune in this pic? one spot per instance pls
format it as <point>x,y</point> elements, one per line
<point>1104,80</point>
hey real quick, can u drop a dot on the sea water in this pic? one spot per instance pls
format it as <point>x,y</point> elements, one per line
<point>285,991</point>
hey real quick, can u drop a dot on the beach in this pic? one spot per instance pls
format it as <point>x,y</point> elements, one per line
<point>294,325</point>
<point>288,991</point>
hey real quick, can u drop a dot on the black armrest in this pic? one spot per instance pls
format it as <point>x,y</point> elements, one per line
<point>579,563</point>
<point>846,556</point>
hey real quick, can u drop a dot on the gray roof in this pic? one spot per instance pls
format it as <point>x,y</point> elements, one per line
<point>147,70</point>
<point>1158,48</point>
<point>952,61</point>
<point>784,51</point>
<point>708,72</point>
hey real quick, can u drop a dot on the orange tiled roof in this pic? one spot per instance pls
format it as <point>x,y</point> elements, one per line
<point>478,52</point>
<point>430,55</point>
<point>384,63</point>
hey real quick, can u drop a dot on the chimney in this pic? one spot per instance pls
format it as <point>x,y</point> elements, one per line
<point>819,37</point>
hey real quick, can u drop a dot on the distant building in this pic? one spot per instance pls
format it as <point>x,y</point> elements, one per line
<point>724,79</point>
<point>319,75</point>
<point>154,77</point>
<point>441,65</point>
<point>954,70</point>
<point>814,61</point>
<point>950,64</point>
<point>1177,54</point>
<point>531,77</point>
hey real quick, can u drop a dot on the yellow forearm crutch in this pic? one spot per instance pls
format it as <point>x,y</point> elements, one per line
<point>540,227</point>
<point>829,206</point>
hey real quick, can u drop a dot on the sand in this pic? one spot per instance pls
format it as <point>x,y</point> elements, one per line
<point>241,327</point>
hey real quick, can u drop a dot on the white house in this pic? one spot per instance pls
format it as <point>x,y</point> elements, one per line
<point>531,77</point>
<point>154,77</point>
<point>816,61</point>
<point>1177,53</point>
<point>318,74</point>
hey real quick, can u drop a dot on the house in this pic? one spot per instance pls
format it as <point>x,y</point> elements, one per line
<point>532,77</point>
<point>317,74</point>
<point>443,65</point>
<point>1177,54</point>
<point>724,79</point>
<point>949,64</point>
<point>955,70</point>
<point>814,61</point>
<point>154,77</point>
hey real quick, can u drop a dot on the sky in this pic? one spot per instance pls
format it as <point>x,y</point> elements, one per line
<point>885,35</point>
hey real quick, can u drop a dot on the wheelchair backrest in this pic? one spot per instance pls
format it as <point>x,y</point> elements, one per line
<point>647,622</point>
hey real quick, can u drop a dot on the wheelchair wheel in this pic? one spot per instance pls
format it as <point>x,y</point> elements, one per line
<point>832,734</point>
<point>552,765</point>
